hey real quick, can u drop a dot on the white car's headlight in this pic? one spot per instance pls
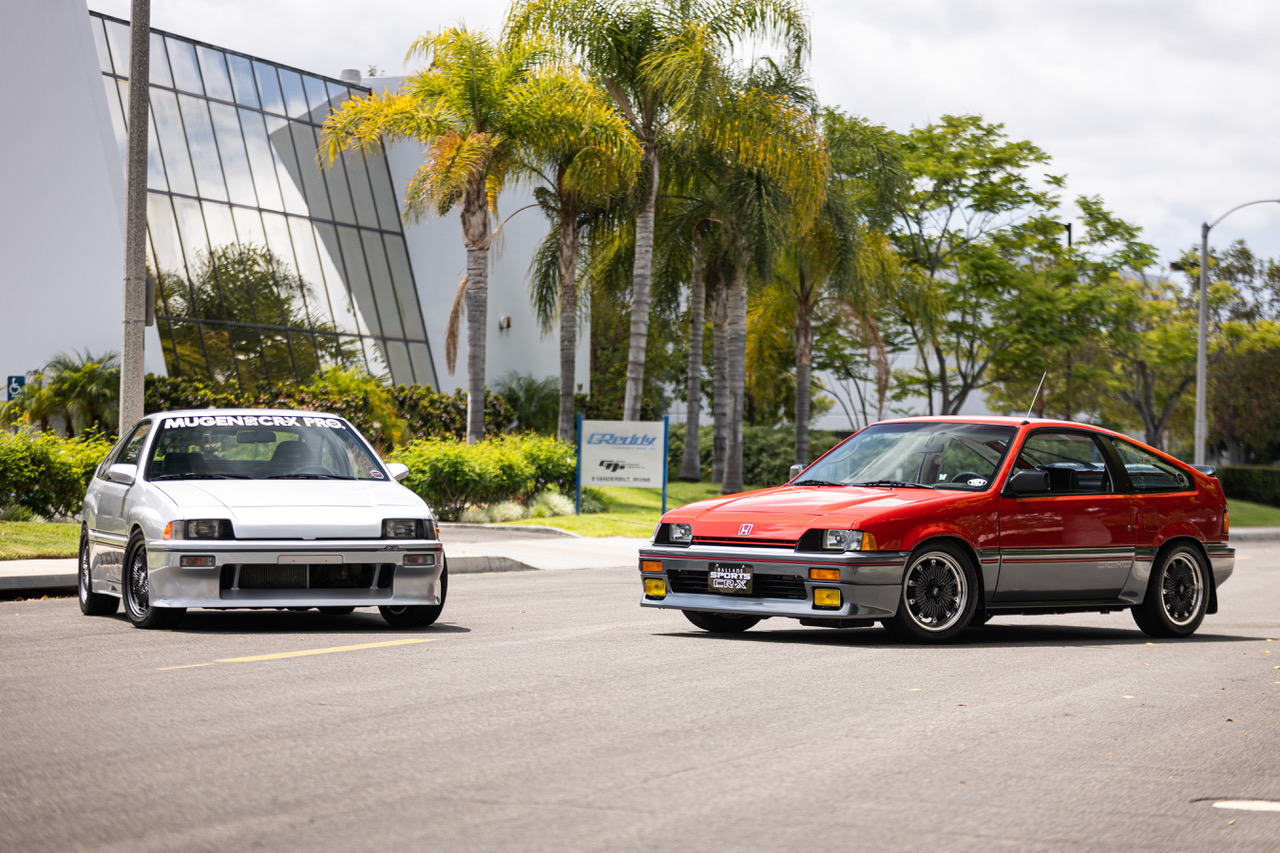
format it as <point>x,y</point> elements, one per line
<point>847,540</point>
<point>404,528</point>
<point>680,534</point>
<point>199,528</point>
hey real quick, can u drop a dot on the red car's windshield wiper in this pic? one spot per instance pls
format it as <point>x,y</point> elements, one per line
<point>892,484</point>
<point>816,483</point>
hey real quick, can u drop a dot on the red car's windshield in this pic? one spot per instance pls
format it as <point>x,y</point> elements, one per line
<point>921,455</point>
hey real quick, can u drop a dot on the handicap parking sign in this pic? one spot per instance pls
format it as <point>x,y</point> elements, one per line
<point>15,385</point>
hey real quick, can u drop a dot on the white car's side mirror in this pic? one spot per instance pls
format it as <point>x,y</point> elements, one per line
<point>122,473</point>
<point>397,470</point>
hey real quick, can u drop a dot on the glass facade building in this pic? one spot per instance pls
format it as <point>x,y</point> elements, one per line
<point>269,268</point>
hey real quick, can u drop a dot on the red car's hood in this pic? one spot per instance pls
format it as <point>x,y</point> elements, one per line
<point>787,512</point>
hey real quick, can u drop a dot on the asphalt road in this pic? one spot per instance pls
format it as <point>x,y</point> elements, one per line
<point>547,711</point>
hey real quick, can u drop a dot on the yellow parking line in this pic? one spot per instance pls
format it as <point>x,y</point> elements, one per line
<point>322,651</point>
<point>186,666</point>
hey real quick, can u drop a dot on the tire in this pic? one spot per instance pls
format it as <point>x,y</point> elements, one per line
<point>1177,594</point>
<point>92,603</point>
<point>136,587</point>
<point>939,595</point>
<point>417,615</point>
<point>336,611</point>
<point>720,623</point>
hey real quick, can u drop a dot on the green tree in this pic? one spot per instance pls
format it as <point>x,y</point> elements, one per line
<point>582,167</point>
<point>964,226</point>
<point>81,389</point>
<point>473,107</point>
<point>662,62</point>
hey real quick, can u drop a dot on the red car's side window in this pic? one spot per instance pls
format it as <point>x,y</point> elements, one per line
<point>1150,473</point>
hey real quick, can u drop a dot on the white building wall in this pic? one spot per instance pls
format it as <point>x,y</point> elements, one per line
<point>61,193</point>
<point>439,263</point>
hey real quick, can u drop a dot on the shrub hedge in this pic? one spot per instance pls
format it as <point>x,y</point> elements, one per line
<point>449,475</point>
<point>1255,483</point>
<point>46,474</point>
<point>767,453</point>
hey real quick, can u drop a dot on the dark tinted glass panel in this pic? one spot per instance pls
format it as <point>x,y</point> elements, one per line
<point>173,142</point>
<point>214,70</point>
<point>398,361</point>
<point>157,64</point>
<point>157,179</point>
<point>242,80</point>
<point>295,100</point>
<point>353,351</point>
<point>100,44</point>
<point>279,356</point>
<point>261,160</point>
<point>291,175</point>
<point>189,347</point>
<point>361,194</point>
<point>380,274</point>
<point>317,97</point>
<point>339,193</point>
<point>305,170</point>
<point>172,363</point>
<point>384,196</point>
<point>186,73</point>
<point>118,42</point>
<point>235,160</point>
<point>204,151</point>
<point>305,355</point>
<point>268,87</point>
<point>402,277</point>
<point>195,249</point>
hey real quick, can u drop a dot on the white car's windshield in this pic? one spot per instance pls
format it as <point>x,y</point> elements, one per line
<point>915,455</point>
<point>259,447</point>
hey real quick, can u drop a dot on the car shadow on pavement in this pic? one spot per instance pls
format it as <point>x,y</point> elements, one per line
<point>359,623</point>
<point>984,636</point>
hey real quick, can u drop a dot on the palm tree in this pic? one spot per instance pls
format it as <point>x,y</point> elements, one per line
<point>583,157</point>
<point>473,107</point>
<point>659,60</point>
<point>82,389</point>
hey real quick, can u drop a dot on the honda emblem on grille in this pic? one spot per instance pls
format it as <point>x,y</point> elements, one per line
<point>745,530</point>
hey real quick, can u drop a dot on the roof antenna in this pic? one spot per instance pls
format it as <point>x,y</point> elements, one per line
<point>1037,395</point>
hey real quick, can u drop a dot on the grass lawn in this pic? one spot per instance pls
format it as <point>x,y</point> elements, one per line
<point>32,540</point>
<point>1248,514</point>
<point>632,512</point>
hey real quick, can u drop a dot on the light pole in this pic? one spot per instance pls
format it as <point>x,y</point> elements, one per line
<point>1202,420</point>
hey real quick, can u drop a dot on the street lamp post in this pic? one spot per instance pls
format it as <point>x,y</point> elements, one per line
<point>1202,420</point>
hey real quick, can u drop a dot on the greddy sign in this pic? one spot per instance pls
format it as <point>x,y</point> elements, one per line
<point>623,453</point>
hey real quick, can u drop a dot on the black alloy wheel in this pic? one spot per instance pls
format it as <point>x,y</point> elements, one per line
<point>137,593</point>
<point>1177,594</point>
<point>939,595</point>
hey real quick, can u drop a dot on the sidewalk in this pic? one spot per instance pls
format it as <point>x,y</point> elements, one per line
<point>469,548</point>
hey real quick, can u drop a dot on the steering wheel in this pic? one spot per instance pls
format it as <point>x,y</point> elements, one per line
<point>965,476</point>
<point>316,469</point>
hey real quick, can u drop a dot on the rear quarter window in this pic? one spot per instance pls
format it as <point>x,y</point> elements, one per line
<point>1150,473</point>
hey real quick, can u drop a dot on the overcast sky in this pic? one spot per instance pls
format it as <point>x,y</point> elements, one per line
<point>1165,108</point>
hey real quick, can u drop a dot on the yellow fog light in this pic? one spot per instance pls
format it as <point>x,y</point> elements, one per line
<point>824,574</point>
<point>826,598</point>
<point>655,588</point>
<point>650,566</point>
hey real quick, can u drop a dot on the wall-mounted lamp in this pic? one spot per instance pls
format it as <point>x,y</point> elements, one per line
<point>504,323</point>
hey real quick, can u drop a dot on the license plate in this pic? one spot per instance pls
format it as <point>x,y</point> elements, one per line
<point>729,579</point>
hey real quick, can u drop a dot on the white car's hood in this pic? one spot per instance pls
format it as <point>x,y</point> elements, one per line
<point>292,509</point>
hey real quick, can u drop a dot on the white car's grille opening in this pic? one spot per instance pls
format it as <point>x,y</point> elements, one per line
<point>307,576</point>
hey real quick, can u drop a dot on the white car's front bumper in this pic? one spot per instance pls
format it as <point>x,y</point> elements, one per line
<point>294,573</point>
